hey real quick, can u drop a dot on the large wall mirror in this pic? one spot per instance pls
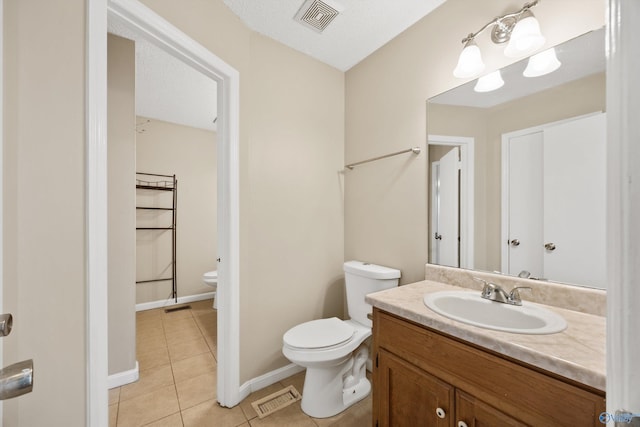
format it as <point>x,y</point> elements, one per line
<point>517,175</point>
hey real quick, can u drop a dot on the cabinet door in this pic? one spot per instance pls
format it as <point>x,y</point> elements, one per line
<point>410,397</point>
<point>472,412</point>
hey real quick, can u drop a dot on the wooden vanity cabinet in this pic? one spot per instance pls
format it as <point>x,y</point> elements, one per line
<point>424,378</point>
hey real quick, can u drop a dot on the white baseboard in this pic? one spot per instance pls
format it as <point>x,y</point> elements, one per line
<point>122,378</point>
<point>269,378</point>
<point>171,302</point>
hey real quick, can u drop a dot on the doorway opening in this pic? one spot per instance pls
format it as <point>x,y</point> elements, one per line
<point>451,201</point>
<point>142,20</point>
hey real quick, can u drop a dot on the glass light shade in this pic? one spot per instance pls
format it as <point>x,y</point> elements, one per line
<point>491,81</point>
<point>526,37</point>
<point>470,62</point>
<point>542,63</point>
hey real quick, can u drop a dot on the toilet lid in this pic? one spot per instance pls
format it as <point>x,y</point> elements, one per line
<point>211,274</point>
<point>319,333</point>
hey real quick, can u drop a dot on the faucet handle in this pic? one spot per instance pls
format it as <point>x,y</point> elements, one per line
<point>484,282</point>
<point>488,287</point>
<point>514,295</point>
<point>492,292</point>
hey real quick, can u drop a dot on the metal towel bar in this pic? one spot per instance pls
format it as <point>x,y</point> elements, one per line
<point>414,150</point>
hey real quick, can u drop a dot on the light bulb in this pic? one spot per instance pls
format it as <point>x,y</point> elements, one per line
<point>526,37</point>
<point>491,81</point>
<point>470,61</point>
<point>542,63</point>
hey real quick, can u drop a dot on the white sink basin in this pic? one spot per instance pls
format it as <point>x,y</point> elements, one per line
<point>471,308</point>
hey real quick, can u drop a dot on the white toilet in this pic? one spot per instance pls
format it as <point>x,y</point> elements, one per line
<point>333,350</point>
<point>210,278</point>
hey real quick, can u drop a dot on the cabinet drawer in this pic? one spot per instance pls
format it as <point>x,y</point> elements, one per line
<point>527,394</point>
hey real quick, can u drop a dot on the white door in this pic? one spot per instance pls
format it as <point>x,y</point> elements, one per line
<point>525,213</point>
<point>575,201</point>
<point>557,202</point>
<point>448,195</point>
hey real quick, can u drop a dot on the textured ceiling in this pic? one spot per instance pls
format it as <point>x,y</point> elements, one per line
<point>362,26</point>
<point>169,90</point>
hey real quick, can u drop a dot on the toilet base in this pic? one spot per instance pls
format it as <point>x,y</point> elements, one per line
<point>330,390</point>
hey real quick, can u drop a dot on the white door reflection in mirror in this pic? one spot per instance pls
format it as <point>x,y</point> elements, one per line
<point>459,190</point>
<point>446,208</point>
<point>554,212</point>
<point>576,190</point>
<point>524,188</point>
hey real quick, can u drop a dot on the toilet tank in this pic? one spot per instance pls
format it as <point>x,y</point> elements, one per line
<point>362,278</point>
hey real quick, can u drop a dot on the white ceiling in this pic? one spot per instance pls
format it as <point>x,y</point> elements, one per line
<point>362,27</point>
<point>169,90</point>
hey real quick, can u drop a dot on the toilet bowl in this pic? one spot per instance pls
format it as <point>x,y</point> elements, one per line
<point>335,352</point>
<point>335,379</point>
<point>210,278</point>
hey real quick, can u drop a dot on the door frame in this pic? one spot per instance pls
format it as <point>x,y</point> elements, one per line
<point>1,184</point>
<point>161,33</point>
<point>623,207</point>
<point>467,192</point>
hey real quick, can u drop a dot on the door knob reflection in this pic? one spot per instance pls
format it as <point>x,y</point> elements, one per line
<point>6,323</point>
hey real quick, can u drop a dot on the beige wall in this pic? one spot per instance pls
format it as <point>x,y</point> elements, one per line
<point>386,94</point>
<point>486,126</point>
<point>291,206</point>
<point>44,207</point>
<point>189,153</point>
<point>121,148</point>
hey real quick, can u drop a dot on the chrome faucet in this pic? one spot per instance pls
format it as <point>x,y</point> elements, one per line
<point>493,292</point>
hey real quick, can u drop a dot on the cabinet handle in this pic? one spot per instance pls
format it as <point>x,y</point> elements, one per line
<point>462,424</point>
<point>440,413</point>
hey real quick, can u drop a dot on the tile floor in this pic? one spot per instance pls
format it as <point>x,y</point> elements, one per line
<point>176,353</point>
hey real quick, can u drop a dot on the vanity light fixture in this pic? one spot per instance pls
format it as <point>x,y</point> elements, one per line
<point>542,63</point>
<point>491,81</point>
<point>520,29</point>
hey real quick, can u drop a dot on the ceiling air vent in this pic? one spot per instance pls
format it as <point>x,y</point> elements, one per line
<point>316,14</point>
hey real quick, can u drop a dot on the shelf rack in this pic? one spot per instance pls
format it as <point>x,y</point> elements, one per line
<point>158,182</point>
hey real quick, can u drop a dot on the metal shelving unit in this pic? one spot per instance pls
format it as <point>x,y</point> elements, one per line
<point>158,182</point>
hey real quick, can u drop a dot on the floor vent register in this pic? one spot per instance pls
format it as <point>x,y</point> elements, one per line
<point>172,309</point>
<point>278,400</point>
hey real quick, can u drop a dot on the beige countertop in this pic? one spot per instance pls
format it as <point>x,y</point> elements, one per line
<point>577,353</point>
